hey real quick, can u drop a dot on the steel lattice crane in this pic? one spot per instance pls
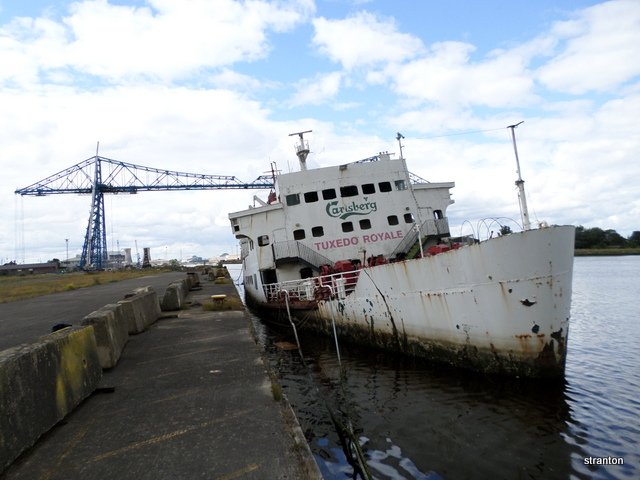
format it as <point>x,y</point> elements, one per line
<point>99,175</point>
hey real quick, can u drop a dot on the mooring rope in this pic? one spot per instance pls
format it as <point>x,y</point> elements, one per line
<point>350,444</point>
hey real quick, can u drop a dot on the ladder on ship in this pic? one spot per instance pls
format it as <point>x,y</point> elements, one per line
<point>292,251</point>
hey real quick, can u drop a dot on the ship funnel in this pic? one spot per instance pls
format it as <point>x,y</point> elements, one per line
<point>302,148</point>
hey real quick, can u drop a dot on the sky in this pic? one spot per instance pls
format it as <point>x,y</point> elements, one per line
<point>216,87</point>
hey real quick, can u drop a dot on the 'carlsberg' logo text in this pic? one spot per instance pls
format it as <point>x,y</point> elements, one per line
<point>344,211</point>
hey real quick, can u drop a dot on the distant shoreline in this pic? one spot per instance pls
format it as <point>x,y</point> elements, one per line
<point>605,252</point>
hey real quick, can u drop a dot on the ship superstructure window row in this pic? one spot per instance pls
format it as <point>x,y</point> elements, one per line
<point>348,227</point>
<point>345,192</point>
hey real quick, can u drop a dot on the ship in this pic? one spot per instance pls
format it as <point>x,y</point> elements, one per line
<point>363,251</point>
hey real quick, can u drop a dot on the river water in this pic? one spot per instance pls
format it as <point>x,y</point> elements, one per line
<point>414,420</point>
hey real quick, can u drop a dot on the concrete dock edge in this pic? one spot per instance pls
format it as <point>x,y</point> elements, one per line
<point>40,383</point>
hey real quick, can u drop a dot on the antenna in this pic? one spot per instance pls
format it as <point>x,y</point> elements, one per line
<point>302,149</point>
<point>524,212</point>
<point>399,137</point>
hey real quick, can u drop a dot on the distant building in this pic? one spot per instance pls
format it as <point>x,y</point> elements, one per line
<point>225,257</point>
<point>29,268</point>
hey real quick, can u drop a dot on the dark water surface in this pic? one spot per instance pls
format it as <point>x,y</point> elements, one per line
<point>420,421</point>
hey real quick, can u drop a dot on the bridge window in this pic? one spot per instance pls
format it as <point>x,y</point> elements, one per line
<point>329,194</point>
<point>437,214</point>
<point>368,188</point>
<point>317,231</point>
<point>263,240</point>
<point>401,185</point>
<point>408,218</point>
<point>347,227</point>
<point>392,220</point>
<point>299,234</point>
<point>310,197</point>
<point>348,191</point>
<point>365,224</point>
<point>293,199</point>
<point>384,186</point>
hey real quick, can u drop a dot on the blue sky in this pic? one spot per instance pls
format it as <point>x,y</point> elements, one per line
<point>216,87</point>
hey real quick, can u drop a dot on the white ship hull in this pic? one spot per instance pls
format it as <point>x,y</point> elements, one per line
<point>499,306</point>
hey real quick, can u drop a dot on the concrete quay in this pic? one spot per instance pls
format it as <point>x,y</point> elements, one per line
<point>189,398</point>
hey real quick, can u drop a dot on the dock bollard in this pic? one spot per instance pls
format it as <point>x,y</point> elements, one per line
<point>218,299</point>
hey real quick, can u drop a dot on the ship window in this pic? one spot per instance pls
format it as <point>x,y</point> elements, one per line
<point>401,185</point>
<point>347,227</point>
<point>384,186</point>
<point>348,191</point>
<point>236,228</point>
<point>317,231</point>
<point>299,234</point>
<point>392,220</point>
<point>293,199</point>
<point>365,224</point>
<point>306,272</point>
<point>263,240</point>
<point>250,244</point>
<point>408,218</point>
<point>310,197</point>
<point>368,188</point>
<point>437,214</point>
<point>329,194</point>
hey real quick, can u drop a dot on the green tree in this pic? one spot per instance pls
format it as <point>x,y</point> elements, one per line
<point>634,239</point>
<point>614,239</point>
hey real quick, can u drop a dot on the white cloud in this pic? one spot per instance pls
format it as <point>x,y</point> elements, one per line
<point>167,40</point>
<point>364,40</point>
<point>318,90</point>
<point>599,49</point>
<point>446,76</point>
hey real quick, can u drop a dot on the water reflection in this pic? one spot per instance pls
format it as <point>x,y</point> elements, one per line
<point>417,421</point>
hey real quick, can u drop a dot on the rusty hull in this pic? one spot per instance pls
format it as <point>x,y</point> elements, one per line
<point>500,306</point>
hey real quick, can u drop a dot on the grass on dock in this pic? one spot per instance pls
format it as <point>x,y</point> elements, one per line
<point>14,288</point>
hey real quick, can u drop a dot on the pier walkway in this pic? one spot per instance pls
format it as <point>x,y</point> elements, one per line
<point>190,398</point>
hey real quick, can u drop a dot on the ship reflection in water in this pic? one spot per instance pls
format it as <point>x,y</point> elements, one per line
<point>421,421</point>
<point>417,421</point>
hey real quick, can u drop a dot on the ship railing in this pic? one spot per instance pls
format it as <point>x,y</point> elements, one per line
<point>292,250</point>
<point>323,287</point>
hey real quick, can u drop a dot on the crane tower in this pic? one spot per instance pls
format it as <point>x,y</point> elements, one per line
<point>98,175</point>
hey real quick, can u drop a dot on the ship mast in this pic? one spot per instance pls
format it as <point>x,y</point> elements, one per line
<point>522,199</point>
<point>399,137</point>
<point>302,149</point>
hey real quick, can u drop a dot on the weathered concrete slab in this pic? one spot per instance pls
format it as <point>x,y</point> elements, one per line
<point>194,279</point>
<point>142,309</point>
<point>40,383</point>
<point>111,331</point>
<point>175,296</point>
